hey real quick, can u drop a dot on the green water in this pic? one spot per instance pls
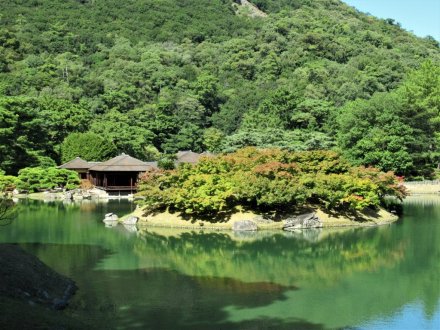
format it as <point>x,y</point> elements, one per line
<point>374,278</point>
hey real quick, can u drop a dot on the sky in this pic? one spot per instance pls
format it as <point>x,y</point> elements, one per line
<point>422,17</point>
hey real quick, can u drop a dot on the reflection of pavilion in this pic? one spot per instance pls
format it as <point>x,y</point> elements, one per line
<point>120,173</point>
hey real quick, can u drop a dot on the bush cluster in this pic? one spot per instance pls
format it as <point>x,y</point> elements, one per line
<point>267,180</point>
<point>7,182</point>
<point>35,179</point>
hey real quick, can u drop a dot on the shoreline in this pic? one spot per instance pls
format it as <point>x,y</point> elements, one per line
<point>368,218</point>
<point>59,196</point>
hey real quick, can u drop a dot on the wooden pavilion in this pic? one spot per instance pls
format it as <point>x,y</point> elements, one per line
<point>78,165</point>
<point>120,173</point>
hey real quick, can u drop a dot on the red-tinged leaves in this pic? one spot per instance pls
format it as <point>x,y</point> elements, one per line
<point>269,179</point>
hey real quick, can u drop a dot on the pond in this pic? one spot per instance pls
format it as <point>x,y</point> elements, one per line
<point>364,278</point>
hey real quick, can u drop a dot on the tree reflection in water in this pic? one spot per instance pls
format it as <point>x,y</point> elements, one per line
<point>162,278</point>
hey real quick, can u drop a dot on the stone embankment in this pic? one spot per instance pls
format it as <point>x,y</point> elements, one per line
<point>72,195</point>
<point>248,221</point>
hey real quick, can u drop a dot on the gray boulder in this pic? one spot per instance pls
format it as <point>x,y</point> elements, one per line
<point>131,221</point>
<point>77,197</point>
<point>110,217</point>
<point>303,221</point>
<point>131,228</point>
<point>245,225</point>
<point>98,193</point>
<point>68,196</point>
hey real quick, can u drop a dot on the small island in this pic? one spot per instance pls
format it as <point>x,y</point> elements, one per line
<point>253,189</point>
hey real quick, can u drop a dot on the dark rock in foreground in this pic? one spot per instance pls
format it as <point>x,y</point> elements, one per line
<point>24,277</point>
<point>303,221</point>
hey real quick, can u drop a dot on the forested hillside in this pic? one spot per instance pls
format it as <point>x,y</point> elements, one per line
<point>142,75</point>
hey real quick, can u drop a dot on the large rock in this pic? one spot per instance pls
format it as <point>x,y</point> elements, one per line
<point>131,228</point>
<point>98,193</point>
<point>303,221</point>
<point>77,197</point>
<point>111,217</point>
<point>244,225</point>
<point>131,221</point>
<point>24,277</point>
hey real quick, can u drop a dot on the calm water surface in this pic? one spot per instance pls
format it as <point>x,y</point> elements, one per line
<point>374,278</point>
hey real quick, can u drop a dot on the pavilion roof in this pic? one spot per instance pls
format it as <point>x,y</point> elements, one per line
<point>77,164</point>
<point>122,163</point>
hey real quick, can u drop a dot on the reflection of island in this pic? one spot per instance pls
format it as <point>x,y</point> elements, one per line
<point>165,277</point>
<point>287,259</point>
<point>354,274</point>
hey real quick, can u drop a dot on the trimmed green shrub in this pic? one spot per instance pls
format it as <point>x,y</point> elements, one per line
<point>34,179</point>
<point>269,180</point>
<point>8,182</point>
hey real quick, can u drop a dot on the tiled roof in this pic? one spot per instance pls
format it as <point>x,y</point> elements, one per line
<point>122,163</point>
<point>77,164</point>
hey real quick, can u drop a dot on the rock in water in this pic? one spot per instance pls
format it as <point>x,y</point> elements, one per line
<point>303,221</point>
<point>131,228</point>
<point>245,225</point>
<point>110,217</point>
<point>131,221</point>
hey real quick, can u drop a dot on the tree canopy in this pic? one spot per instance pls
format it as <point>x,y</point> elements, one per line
<point>202,75</point>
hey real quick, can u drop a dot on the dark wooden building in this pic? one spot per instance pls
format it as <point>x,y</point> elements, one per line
<point>120,173</point>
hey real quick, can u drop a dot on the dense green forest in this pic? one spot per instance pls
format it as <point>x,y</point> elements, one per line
<point>140,75</point>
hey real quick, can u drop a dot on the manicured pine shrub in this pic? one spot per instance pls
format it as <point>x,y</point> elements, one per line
<point>34,179</point>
